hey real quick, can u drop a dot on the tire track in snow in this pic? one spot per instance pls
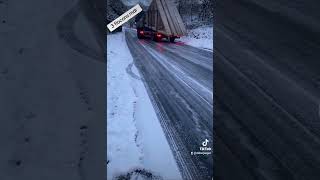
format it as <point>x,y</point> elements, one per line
<point>66,32</point>
<point>137,138</point>
<point>131,73</point>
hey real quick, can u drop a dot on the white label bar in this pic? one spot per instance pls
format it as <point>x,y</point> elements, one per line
<point>124,17</point>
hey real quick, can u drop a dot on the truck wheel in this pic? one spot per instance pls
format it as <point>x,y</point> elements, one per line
<point>172,39</point>
<point>154,38</point>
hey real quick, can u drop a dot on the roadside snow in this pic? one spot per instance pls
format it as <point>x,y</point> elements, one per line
<point>201,37</point>
<point>122,151</point>
<point>134,134</point>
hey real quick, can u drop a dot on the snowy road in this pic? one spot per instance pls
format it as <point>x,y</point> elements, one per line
<point>267,81</point>
<point>179,80</point>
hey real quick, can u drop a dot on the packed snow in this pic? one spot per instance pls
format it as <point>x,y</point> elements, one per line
<point>136,144</point>
<point>201,37</point>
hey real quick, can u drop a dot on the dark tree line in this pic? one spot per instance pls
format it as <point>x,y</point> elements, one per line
<point>114,9</point>
<point>195,12</point>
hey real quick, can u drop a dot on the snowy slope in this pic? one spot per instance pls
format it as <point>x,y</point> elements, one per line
<point>201,37</point>
<point>136,142</point>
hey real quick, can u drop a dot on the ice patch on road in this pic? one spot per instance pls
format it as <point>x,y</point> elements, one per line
<point>136,142</point>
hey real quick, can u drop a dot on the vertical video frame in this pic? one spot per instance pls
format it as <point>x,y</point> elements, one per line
<point>160,89</point>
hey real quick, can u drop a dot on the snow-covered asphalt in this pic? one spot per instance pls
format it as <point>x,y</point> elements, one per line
<point>179,81</point>
<point>267,84</point>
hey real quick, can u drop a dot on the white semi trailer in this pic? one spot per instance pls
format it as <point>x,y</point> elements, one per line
<point>161,20</point>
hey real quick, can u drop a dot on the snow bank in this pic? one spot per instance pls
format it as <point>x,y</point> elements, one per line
<point>122,150</point>
<point>136,142</point>
<point>201,37</point>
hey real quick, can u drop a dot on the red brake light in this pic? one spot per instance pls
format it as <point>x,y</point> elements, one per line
<point>158,35</point>
<point>141,32</point>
